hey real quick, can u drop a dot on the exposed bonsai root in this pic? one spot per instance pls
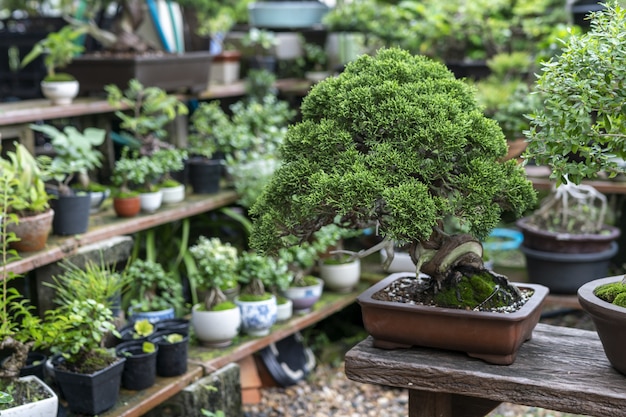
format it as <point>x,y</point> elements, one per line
<point>12,365</point>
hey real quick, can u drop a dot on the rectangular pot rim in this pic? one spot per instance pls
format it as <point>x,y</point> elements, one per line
<point>365,300</point>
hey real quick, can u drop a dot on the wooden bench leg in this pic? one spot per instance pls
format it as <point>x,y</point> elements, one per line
<point>436,404</point>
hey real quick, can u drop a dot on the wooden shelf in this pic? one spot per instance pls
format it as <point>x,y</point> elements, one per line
<point>539,176</point>
<point>28,111</point>
<point>212,359</point>
<point>287,86</point>
<point>106,224</point>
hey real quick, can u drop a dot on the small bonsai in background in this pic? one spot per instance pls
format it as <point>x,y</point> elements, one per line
<point>396,143</point>
<point>214,266</point>
<point>261,275</point>
<point>150,109</point>
<point>59,49</point>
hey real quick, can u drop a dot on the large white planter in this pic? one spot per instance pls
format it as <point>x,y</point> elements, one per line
<point>43,408</point>
<point>172,195</point>
<point>257,317</point>
<point>151,202</point>
<point>60,92</point>
<point>341,277</point>
<point>215,328</point>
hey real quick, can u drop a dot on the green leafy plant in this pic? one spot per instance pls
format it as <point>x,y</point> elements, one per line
<point>577,128</point>
<point>75,155</point>
<point>262,274</point>
<point>28,192</point>
<point>143,328</point>
<point>259,41</point>
<point>80,328</point>
<point>174,338</point>
<point>59,49</point>
<point>150,109</point>
<point>151,287</point>
<point>215,267</point>
<point>97,280</point>
<point>395,142</point>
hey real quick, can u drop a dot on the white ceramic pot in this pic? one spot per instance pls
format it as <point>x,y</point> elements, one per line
<point>173,195</point>
<point>42,408</point>
<point>284,310</point>
<point>97,198</point>
<point>60,92</point>
<point>401,262</point>
<point>304,298</point>
<point>215,328</point>
<point>151,202</point>
<point>341,277</point>
<point>257,317</point>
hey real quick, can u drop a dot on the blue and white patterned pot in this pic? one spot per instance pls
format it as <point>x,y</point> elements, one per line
<point>257,317</point>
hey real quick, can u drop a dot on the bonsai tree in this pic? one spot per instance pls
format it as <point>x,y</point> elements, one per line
<point>75,155</point>
<point>262,275</point>
<point>577,130</point>
<point>59,49</point>
<point>395,142</point>
<point>215,267</point>
<point>150,109</point>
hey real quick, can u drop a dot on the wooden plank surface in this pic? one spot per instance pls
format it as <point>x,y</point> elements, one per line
<point>215,358</point>
<point>27,111</point>
<point>106,224</point>
<point>561,369</point>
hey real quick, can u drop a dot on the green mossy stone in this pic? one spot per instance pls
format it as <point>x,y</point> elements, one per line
<point>469,293</point>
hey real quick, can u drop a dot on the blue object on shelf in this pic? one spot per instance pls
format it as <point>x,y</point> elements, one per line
<point>512,239</point>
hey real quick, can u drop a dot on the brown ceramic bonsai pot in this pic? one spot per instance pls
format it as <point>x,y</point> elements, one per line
<point>547,241</point>
<point>187,71</point>
<point>490,336</point>
<point>609,319</point>
<point>32,231</point>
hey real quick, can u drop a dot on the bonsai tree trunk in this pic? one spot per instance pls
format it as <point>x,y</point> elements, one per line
<point>11,367</point>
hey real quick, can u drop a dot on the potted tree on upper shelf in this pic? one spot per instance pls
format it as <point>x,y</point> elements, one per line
<point>126,51</point>
<point>578,132</point>
<point>59,49</point>
<point>402,145</point>
<point>76,154</point>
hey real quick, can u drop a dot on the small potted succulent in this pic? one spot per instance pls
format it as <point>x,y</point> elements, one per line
<point>215,319</point>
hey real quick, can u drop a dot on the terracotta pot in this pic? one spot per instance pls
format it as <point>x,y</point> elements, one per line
<point>127,206</point>
<point>33,231</point>
<point>544,240</point>
<point>609,319</point>
<point>490,336</point>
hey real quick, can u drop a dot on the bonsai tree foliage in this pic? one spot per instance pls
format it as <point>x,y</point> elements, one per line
<point>151,287</point>
<point>579,128</point>
<point>150,109</point>
<point>395,142</point>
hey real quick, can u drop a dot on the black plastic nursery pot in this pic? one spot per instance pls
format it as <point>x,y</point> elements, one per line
<point>204,175</point>
<point>172,357</point>
<point>90,394</point>
<point>71,214</point>
<point>140,368</point>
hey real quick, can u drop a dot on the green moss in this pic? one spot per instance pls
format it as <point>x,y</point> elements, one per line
<point>254,297</point>
<point>469,292</point>
<point>614,293</point>
<point>226,305</point>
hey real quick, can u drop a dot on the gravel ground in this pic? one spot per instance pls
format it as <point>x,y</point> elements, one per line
<point>327,392</point>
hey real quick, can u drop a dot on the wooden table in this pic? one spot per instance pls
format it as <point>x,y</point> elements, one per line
<point>561,369</point>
